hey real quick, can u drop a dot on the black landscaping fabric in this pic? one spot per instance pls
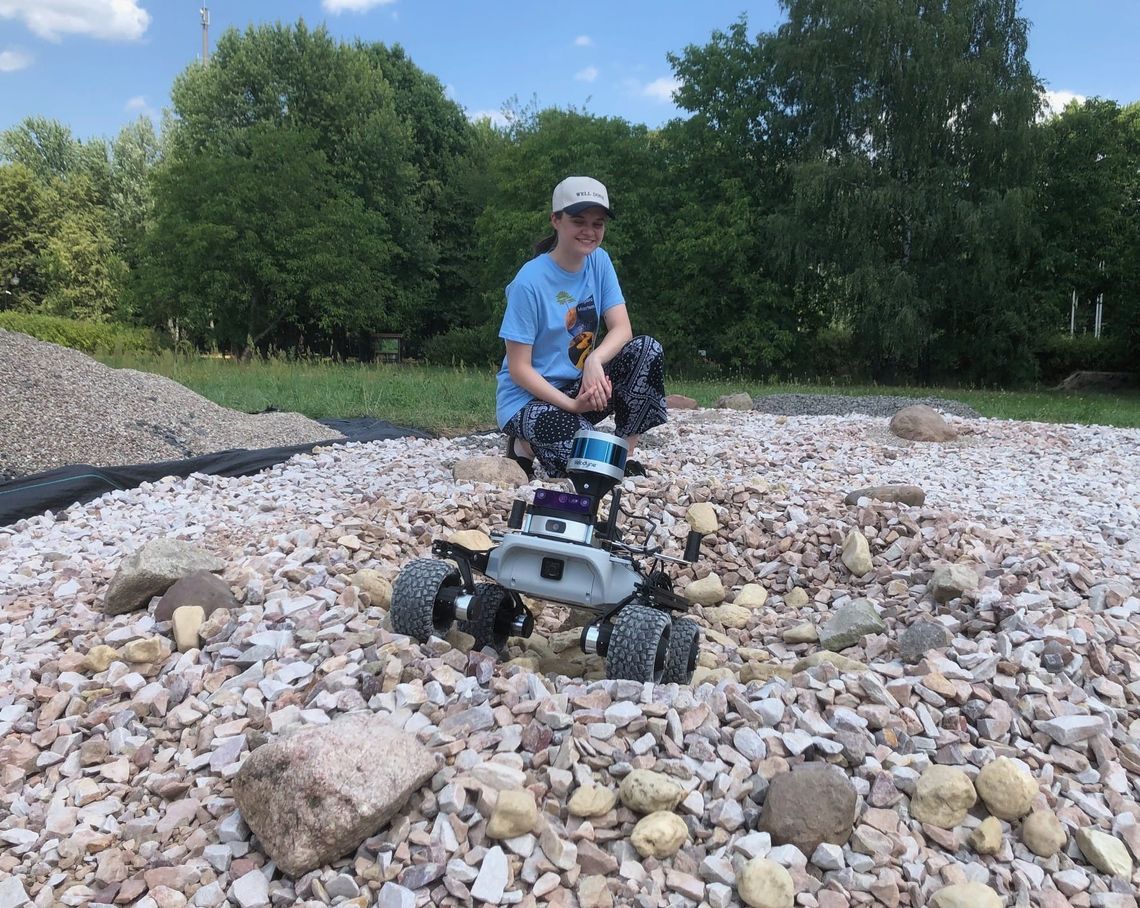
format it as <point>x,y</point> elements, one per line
<point>56,490</point>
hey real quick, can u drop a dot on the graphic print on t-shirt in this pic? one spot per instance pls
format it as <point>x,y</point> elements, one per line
<point>582,326</point>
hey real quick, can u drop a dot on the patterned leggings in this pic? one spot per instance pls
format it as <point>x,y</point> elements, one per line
<point>637,375</point>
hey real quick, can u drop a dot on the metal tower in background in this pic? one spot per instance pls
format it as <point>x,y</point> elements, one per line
<point>205,11</point>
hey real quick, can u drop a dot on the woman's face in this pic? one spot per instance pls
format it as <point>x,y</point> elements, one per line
<point>582,232</point>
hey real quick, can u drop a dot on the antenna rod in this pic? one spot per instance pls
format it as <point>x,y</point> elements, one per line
<point>205,11</point>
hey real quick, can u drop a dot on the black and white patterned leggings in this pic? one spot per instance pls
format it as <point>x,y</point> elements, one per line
<point>637,375</point>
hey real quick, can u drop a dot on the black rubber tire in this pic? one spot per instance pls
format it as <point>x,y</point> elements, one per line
<point>493,606</point>
<point>638,644</point>
<point>681,659</point>
<point>413,598</point>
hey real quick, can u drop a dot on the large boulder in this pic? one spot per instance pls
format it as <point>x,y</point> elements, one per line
<point>765,884</point>
<point>151,570</point>
<point>921,423</point>
<point>680,402</point>
<point>315,795</point>
<point>202,589</point>
<point>813,803</point>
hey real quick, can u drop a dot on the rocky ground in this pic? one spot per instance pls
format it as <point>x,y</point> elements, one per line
<point>550,786</point>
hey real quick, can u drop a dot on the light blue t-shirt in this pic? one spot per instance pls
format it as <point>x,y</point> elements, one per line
<point>558,313</point>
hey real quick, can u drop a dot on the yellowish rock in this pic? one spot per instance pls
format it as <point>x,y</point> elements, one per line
<point>645,791</point>
<point>476,540</point>
<point>986,839</point>
<point>751,595</point>
<point>530,663</point>
<point>702,518</point>
<point>187,620</point>
<point>659,835</point>
<point>801,633</point>
<point>841,662</point>
<point>765,884</point>
<point>1106,853</point>
<point>591,801</point>
<point>1043,833</point>
<point>706,591</point>
<point>375,584</point>
<point>100,657</point>
<point>515,814</point>
<point>759,671</point>
<point>705,675</point>
<point>151,649</point>
<point>942,795</point>
<point>796,598</point>
<point>966,895</point>
<point>856,553</point>
<point>759,484</point>
<point>734,616</point>
<point>1006,789</point>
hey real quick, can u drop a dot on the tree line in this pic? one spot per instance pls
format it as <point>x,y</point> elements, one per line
<point>869,191</point>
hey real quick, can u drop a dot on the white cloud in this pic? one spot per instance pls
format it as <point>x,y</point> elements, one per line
<point>583,41</point>
<point>589,74</point>
<point>116,20</point>
<point>12,60</point>
<point>138,105</point>
<point>497,117</point>
<point>662,89</point>
<point>1056,101</point>
<point>336,7</point>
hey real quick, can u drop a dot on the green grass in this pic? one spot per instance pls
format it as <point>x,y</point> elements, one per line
<point>456,401</point>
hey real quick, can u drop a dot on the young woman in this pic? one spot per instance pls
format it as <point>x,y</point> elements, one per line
<point>557,377</point>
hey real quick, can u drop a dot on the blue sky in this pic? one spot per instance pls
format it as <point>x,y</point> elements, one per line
<point>96,64</point>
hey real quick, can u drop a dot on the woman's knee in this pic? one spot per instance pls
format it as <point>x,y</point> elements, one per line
<point>644,345</point>
<point>554,426</point>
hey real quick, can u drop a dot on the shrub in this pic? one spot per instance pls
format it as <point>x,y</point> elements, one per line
<point>1060,356</point>
<point>477,346</point>
<point>89,337</point>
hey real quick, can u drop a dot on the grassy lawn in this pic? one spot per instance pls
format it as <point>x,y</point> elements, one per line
<point>455,401</point>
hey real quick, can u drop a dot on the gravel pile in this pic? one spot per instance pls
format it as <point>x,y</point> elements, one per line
<point>841,405</point>
<point>60,407</point>
<point>976,742</point>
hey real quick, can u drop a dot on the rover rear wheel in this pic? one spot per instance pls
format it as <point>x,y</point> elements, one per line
<point>638,645</point>
<point>414,597</point>
<point>681,658</point>
<point>493,605</point>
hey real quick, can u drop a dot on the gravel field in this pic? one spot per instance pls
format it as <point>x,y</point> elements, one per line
<point>60,407</point>
<point>120,755</point>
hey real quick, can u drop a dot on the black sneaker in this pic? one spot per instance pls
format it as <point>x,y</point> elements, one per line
<point>527,463</point>
<point>635,468</point>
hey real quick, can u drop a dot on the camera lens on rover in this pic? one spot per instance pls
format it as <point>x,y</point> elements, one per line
<point>556,526</point>
<point>552,568</point>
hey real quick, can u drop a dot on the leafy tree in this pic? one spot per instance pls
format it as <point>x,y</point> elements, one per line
<point>28,221</point>
<point>334,105</point>
<point>266,244</point>
<point>1088,192</point>
<point>885,151</point>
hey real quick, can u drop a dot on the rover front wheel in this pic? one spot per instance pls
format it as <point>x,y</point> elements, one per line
<point>638,644</point>
<point>684,645</point>
<point>414,597</point>
<point>492,604</point>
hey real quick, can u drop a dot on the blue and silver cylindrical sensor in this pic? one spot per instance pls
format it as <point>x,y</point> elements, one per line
<point>598,452</point>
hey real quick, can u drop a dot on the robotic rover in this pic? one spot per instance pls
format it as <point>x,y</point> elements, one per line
<point>556,548</point>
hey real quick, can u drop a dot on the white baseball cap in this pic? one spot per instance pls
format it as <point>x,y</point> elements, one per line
<point>575,194</point>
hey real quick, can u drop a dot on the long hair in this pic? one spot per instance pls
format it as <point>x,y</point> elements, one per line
<point>547,243</point>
